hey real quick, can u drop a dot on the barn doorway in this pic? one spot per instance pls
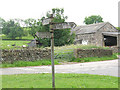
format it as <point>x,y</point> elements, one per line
<point>110,40</point>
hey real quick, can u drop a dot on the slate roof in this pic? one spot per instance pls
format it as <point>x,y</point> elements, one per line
<point>91,28</point>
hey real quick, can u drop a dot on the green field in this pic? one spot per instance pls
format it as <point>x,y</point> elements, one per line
<point>61,80</point>
<point>29,37</point>
<point>18,43</point>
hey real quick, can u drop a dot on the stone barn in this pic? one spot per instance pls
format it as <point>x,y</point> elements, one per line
<point>100,34</point>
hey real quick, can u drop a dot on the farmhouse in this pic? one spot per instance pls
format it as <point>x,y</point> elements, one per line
<point>100,34</point>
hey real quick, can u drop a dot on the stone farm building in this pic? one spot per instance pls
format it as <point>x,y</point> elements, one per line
<point>100,34</point>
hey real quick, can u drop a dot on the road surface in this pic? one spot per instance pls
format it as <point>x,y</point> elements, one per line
<point>100,68</point>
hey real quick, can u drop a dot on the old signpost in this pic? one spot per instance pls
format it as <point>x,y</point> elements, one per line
<point>64,25</point>
<point>53,26</point>
<point>43,34</point>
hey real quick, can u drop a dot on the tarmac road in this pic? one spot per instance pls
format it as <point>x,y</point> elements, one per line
<point>100,68</point>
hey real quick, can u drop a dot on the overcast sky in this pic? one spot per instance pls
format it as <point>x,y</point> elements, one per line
<point>76,10</point>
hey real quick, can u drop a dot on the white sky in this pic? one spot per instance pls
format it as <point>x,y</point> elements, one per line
<point>76,10</point>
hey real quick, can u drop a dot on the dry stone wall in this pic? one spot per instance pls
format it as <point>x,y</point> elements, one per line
<point>115,49</point>
<point>81,53</point>
<point>25,55</point>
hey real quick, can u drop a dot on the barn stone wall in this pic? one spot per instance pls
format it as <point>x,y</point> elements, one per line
<point>99,37</point>
<point>89,38</point>
<point>95,38</point>
<point>81,53</point>
<point>118,41</point>
<point>25,55</point>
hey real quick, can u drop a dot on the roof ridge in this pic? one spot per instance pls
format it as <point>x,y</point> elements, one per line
<point>94,24</point>
<point>89,28</point>
<point>103,25</point>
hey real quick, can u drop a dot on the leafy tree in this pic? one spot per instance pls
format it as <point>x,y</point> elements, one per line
<point>31,24</point>
<point>93,19</point>
<point>12,29</point>
<point>63,36</point>
<point>2,21</point>
<point>22,23</point>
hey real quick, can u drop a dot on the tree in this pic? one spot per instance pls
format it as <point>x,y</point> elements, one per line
<point>12,29</point>
<point>93,19</point>
<point>61,37</point>
<point>2,21</point>
<point>32,25</point>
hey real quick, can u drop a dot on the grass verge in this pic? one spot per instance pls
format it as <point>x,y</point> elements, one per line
<point>91,59</point>
<point>28,63</point>
<point>61,80</point>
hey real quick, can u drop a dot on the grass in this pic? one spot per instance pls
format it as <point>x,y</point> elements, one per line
<point>27,63</point>
<point>29,37</point>
<point>18,43</point>
<point>92,59</point>
<point>61,81</point>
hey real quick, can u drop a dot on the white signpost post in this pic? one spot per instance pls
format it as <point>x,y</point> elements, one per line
<point>55,26</point>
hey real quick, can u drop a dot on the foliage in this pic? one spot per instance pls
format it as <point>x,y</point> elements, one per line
<point>118,28</point>
<point>31,24</point>
<point>44,80</point>
<point>2,21</point>
<point>12,29</point>
<point>93,19</point>
<point>61,37</point>
<point>28,63</point>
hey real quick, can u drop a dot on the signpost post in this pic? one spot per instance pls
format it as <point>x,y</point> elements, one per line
<point>52,51</point>
<point>55,26</point>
